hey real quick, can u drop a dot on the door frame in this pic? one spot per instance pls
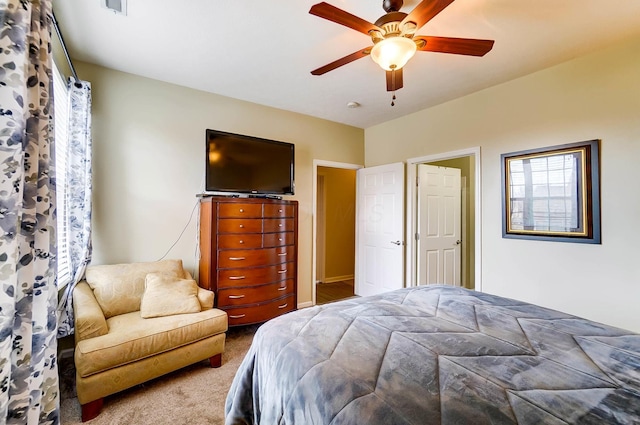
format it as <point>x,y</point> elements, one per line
<point>321,231</point>
<point>412,219</point>
<point>314,200</point>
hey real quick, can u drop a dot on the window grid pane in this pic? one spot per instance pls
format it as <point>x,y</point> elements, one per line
<point>549,184</point>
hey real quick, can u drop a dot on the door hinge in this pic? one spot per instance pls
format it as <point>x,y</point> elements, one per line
<point>417,180</point>
<point>417,236</point>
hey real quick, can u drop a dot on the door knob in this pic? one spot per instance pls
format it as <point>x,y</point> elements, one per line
<point>396,242</point>
<point>458,242</point>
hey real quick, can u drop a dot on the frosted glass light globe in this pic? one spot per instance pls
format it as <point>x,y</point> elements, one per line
<point>393,52</point>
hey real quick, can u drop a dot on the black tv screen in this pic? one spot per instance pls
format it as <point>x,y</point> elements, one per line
<point>245,164</point>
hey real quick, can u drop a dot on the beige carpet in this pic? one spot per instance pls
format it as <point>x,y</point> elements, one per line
<point>193,395</point>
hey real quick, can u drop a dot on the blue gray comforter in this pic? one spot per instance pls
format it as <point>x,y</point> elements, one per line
<point>436,355</point>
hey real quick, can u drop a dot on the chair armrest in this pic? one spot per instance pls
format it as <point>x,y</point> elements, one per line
<point>205,296</point>
<point>88,316</point>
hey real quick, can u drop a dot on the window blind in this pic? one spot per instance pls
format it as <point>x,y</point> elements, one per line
<point>61,137</point>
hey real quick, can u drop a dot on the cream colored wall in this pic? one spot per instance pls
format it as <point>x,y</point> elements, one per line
<point>340,218</point>
<point>593,97</point>
<point>148,156</point>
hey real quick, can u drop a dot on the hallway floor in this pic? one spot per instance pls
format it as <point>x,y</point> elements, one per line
<point>335,291</point>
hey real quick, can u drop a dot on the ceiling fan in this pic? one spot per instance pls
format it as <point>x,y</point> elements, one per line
<point>394,39</point>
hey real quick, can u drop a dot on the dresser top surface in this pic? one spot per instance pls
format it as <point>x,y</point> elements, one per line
<point>241,200</point>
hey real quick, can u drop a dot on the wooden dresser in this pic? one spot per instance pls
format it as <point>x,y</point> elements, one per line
<point>249,256</point>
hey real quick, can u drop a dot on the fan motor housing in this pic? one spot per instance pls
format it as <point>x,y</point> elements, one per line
<point>390,17</point>
<point>390,23</point>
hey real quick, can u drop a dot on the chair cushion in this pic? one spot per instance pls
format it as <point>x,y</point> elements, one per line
<point>165,295</point>
<point>132,338</point>
<point>118,288</point>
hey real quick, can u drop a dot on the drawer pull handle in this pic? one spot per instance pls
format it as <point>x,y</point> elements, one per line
<point>279,210</point>
<point>242,226</point>
<point>235,297</point>
<point>282,289</point>
<point>237,258</point>
<point>280,225</point>
<point>241,242</point>
<point>241,210</point>
<point>282,271</point>
<point>236,277</point>
<point>280,239</point>
<point>283,305</point>
<point>237,316</point>
<point>282,254</point>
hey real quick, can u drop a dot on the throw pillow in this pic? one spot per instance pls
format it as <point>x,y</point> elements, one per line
<point>165,295</point>
<point>118,288</point>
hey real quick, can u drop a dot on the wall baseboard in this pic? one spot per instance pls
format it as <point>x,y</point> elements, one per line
<point>337,278</point>
<point>305,304</point>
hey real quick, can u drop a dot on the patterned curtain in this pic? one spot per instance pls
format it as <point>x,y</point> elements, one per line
<point>78,196</point>
<point>28,295</point>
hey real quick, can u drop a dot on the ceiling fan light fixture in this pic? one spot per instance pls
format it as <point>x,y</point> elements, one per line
<point>393,52</point>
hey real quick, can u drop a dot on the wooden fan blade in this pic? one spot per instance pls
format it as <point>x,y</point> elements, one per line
<point>394,80</point>
<point>339,16</point>
<point>342,61</point>
<point>425,11</point>
<point>458,46</point>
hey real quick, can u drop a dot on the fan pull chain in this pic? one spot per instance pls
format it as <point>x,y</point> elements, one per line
<point>393,103</point>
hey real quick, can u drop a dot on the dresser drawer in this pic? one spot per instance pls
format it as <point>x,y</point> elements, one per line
<point>240,258</point>
<point>239,210</point>
<point>260,312</point>
<point>249,256</point>
<point>277,225</point>
<point>239,225</point>
<point>277,210</point>
<point>277,239</point>
<point>254,294</point>
<point>236,241</point>
<point>235,278</point>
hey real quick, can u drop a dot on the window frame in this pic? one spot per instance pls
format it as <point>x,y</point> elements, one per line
<point>587,185</point>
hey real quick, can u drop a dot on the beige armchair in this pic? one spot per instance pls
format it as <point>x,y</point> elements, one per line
<point>135,322</point>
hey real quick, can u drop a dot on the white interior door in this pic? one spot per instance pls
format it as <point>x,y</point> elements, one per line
<point>439,209</point>
<point>380,229</point>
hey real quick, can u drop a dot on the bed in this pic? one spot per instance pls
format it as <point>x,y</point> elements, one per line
<point>436,355</point>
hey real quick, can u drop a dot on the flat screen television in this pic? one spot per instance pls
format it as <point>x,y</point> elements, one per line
<point>248,165</point>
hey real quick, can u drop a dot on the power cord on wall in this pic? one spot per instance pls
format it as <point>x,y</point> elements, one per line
<point>183,230</point>
<point>196,274</point>
<point>197,250</point>
<point>196,254</point>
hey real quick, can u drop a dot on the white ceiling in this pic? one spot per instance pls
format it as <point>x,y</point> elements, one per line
<point>262,51</point>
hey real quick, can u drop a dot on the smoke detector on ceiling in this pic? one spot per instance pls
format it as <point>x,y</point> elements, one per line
<point>118,7</point>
